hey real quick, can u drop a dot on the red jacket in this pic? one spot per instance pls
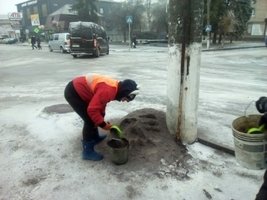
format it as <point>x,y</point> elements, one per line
<point>97,91</point>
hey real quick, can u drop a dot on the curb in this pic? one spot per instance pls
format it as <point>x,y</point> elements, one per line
<point>204,50</point>
<point>217,146</point>
<point>234,48</point>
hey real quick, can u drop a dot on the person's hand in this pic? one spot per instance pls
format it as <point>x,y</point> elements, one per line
<point>261,104</point>
<point>108,126</point>
<point>263,120</point>
<point>116,131</point>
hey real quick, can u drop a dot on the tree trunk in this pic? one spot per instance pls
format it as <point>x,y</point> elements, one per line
<point>185,42</point>
<point>214,39</point>
<point>220,39</point>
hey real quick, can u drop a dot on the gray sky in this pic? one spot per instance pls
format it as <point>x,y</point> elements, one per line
<point>7,6</point>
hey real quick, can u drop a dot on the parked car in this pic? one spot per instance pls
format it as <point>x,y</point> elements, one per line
<point>11,40</point>
<point>59,42</point>
<point>87,38</point>
<point>266,41</point>
<point>8,40</point>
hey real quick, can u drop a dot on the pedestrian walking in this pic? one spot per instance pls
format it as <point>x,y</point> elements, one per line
<point>33,42</point>
<point>39,43</point>
<point>88,95</point>
<point>134,41</point>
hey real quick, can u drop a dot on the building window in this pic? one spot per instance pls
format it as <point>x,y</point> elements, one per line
<point>74,12</point>
<point>55,37</point>
<point>28,13</point>
<point>44,10</point>
<point>35,10</point>
<point>253,12</point>
<point>101,10</point>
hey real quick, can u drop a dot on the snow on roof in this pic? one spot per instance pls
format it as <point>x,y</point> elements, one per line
<point>64,10</point>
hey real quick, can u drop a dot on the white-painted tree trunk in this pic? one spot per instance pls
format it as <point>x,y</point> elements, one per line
<point>185,43</point>
<point>183,92</point>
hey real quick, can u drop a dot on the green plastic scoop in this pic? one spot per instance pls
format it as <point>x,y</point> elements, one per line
<point>256,130</point>
<point>117,131</point>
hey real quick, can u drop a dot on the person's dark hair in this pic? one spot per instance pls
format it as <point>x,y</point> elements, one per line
<point>125,88</point>
<point>261,104</point>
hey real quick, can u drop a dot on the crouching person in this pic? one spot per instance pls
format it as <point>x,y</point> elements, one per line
<point>88,95</point>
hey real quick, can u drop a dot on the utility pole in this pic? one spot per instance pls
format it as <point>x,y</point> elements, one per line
<point>208,29</point>
<point>185,43</point>
<point>265,28</point>
<point>129,36</point>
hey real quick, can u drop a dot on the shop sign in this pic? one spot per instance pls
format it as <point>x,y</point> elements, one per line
<point>15,16</point>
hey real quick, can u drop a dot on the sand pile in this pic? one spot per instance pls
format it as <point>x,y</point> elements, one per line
<point>152,148</point>
<point>152,151</point>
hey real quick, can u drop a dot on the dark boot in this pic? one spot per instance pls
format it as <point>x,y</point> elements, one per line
<point>100,138</point>
<point>89,152</point>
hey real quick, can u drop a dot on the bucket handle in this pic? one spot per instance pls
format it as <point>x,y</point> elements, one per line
<point>245,112</point>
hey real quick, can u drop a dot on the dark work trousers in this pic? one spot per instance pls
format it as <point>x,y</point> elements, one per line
<point>90,131</point>
<point>262,195</point>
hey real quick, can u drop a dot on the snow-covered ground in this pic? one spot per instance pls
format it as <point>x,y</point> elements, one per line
<point>40,152</point>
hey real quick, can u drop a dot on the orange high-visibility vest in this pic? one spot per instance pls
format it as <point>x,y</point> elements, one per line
<point>93,80</point>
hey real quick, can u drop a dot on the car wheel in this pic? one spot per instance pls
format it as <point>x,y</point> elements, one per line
<point>74,56</point>
<point>50,49</point>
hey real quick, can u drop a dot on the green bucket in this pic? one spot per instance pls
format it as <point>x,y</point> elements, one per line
<point>119,149</point>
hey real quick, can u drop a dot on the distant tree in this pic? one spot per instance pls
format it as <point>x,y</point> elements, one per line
<point>228,15</point>
<point>112,17</point>
<point>137,10</point>
<point>218,9</point>
<point>118,18</point>
<point>87,10</point>
<point>148,13</point>
<point>226,26</point>
<point>242,10</point>
<point>160,17</point>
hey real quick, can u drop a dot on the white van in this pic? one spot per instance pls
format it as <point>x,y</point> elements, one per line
<point>59,42</point>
